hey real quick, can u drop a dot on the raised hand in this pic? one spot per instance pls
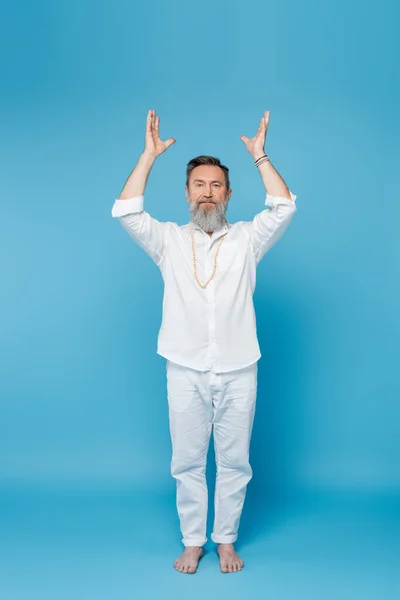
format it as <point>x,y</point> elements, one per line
<point>256,144</point>
<point>154,146</point>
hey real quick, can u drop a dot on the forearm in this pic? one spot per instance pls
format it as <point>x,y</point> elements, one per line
<point>136,182</point>
<point>273,182</point>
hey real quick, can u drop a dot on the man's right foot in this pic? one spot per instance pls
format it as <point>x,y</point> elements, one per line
<point>189,559</point>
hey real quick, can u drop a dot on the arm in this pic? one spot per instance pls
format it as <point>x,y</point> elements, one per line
<point>148,233</point>
<point>137,180</point>
<point>268,226</point>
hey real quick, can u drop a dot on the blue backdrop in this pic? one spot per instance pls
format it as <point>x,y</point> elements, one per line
<point>84,422</point>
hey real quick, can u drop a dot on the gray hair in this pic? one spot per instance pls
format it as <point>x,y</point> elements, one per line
<point>206,160</point>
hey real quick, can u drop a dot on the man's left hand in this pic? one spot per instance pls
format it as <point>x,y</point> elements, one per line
<point>256,144</point>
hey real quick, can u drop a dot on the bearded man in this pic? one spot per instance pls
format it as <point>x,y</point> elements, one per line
<point>208,332</point>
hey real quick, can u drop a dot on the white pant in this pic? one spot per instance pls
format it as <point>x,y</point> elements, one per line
<point>199,401</point>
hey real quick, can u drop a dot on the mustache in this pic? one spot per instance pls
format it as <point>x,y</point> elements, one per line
<point>196,203</point>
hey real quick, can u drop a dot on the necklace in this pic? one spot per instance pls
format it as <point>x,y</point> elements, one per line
<point>204,285</point>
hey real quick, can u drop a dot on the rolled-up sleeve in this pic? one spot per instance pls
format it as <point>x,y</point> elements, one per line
<point>268,226</point>
<point>147,232</point>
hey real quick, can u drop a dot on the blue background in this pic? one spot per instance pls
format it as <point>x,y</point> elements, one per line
<point>87,500</point>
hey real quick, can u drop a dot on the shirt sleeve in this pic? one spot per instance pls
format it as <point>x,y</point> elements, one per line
<point>268,226</point>
<point>147,232</point>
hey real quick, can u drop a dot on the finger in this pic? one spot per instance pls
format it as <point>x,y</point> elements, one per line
<point>157,127</point>
<point>263,126</point>
<point>244,139</point>
<point>153,120</point>
<point>260,133</point>
<point>169,142</point>
<point>148,122</point>
<point>151,123</point>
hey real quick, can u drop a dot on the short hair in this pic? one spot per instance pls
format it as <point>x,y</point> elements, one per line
<point>206,160</point>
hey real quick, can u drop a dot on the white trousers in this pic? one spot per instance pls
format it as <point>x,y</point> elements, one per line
<point>199,402</point>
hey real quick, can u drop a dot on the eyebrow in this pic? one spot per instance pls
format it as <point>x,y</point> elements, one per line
<point>203,181</point>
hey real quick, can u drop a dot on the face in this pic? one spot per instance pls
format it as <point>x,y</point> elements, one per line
<point>208,197</point>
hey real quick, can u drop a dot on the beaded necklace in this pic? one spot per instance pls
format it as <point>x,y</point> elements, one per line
<point>204,285</point>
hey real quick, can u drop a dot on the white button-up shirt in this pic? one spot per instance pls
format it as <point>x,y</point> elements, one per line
<point>214,327</point>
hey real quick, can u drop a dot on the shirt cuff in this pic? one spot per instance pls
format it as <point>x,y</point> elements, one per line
<point>127,206</point>
<point>274,200</point>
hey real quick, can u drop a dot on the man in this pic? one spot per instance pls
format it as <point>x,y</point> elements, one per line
<point>208,332</point>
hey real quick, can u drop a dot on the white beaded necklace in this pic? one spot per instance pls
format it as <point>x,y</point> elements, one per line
<point>204,285</point>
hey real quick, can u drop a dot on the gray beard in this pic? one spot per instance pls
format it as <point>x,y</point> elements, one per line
<point>211,219</point>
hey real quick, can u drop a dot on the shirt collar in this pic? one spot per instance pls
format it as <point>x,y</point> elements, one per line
<point>216,233</point>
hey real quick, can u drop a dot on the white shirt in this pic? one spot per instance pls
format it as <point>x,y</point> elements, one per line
<point>215,326</point>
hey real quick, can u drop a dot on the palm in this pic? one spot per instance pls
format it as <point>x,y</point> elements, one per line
<point>154,144</point>
<point>255,145</point>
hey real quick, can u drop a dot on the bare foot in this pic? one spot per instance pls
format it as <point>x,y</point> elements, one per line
<point>229,560</point>
<point>188,560</point>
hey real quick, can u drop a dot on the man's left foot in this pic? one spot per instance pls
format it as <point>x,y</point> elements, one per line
<point>229,560</point>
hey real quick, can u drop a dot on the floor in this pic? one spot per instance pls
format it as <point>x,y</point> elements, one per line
<point>76,544</point>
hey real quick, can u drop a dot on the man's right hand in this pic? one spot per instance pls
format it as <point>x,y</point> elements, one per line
<point>136,182</point>
<point>154,146</point>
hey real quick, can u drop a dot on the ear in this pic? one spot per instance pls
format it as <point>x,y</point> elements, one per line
<point>187,194</point>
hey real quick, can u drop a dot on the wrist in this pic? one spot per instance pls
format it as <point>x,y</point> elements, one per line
<point>261,160</point>
<point>148,156</point>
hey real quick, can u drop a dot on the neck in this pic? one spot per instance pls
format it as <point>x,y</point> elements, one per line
<point>207,232</point>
